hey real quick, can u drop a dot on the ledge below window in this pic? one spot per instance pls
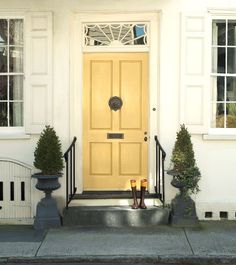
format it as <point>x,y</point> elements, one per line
<point>217,137</point>
<point>14,136</point>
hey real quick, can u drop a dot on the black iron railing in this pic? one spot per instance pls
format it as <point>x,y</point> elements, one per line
<point>160,171</point>
<point>69,157</point>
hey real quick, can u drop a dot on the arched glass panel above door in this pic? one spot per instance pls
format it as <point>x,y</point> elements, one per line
<point>115,34</point>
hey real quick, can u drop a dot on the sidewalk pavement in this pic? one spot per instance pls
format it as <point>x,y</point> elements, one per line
<point>212,243</point>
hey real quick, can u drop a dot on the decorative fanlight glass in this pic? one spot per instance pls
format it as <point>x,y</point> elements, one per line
<point>115,34</point>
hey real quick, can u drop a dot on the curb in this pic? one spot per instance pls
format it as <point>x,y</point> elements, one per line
<point>161,259</point>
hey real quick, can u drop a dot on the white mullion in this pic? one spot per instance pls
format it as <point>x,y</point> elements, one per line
<point>111,32</point>
<point>226,46</point>
<point>225,116</point>
<point>8,71</point>
<point>11,74</point>
<point>226,68</point>
<point>129,30</point>
<point>222,75</point>
<point>121,26</point>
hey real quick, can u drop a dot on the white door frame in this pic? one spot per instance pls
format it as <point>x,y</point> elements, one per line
<point>76,79</point>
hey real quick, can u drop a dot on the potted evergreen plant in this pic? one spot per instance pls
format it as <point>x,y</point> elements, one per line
<point>186,176</point>
<point>48,158</point>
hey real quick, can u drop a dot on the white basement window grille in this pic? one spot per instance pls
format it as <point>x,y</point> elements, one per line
<point>116,35</point>
<point>223,75</point>
<point>11,72</point>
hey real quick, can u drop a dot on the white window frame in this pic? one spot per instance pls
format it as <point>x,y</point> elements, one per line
<point>219,15</point>
<point>16,131</point>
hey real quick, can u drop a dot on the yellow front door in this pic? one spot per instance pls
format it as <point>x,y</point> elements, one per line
<point>114,141</point>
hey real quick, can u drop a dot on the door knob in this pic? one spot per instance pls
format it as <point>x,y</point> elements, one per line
<point>145,138</point>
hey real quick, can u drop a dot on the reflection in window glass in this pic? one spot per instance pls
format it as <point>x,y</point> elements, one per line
<point>231,60</point>
<point>11,72</point>
<point>16,87</point>
<point>16,32</point>
<point>218,60</point>
<point>16,60</point>
<point>3,59</point>
<point>16,114</point>
<point>219,32</point>
<point>231,115</point>
<point>223,74</point>
<point>231,88</point>
<point>3,114</point>
<point>232,33</point>
<point>218,115</point>
<point>3,32</point>
<point>3,87</point>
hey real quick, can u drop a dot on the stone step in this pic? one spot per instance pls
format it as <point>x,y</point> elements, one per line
<point>115,216</point>
<point>112,202</point>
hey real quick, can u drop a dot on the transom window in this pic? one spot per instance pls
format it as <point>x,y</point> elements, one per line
<point>223,76</point>
<point>11,72</point>
<point>118,35</point>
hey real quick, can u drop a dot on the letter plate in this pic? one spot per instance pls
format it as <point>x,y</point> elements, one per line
<point>115,136</point>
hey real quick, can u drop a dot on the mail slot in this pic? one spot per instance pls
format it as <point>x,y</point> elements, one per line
<point>115,136</point>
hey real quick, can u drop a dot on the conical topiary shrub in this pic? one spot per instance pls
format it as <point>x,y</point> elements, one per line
<point>183,163</point>
<point>186,176</point>
<point>48,154</point>
<point>48,158</point>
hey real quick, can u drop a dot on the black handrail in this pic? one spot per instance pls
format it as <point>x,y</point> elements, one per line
<point>160,171</point>
<point>69,157</point>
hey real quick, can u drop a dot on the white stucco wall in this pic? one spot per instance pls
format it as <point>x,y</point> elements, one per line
<point>216,159</point>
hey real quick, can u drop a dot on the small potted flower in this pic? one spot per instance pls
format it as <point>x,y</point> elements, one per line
<point>48,158</point>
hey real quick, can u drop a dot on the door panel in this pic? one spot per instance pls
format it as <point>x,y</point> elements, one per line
<point>131,94</point>
<point>100,115</point>
<point>109,164</point>
<point>130,159</point>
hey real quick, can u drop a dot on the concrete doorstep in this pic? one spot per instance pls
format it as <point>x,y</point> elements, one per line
<point>211,243</point>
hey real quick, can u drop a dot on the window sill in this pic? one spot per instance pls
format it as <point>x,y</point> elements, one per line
<point>14,136</point>
<point>217,137</point>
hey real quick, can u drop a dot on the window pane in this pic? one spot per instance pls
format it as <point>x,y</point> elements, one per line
<point>231,115</point>
<point>16,32</point>
<point>232,33</point>
<point>3,114</point>
<point>3,59</point>
<point>217,115</point>
<point>139,33</point>
<point>16,114</point>
<point>231,88</point>
<point>3,87</point>
<point>231,60</point>
<point>217,120</point>
<point>218,60</point>
<point>218,32</point>
<point>16,87</point>
<point>218,87</point>
<point>3,32</point>
<point>16,60</point>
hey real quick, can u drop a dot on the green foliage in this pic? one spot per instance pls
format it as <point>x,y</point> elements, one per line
<point>183,162</point>
<point>48,155</point>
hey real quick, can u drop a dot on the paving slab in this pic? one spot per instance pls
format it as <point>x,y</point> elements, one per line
<point>213,238</point>
<point>115,242</point>
<point>18,249</point>
<point>19,241</point>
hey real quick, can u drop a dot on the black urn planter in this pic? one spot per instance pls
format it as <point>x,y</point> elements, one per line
<point>47,215</point>
<point>183,208</point>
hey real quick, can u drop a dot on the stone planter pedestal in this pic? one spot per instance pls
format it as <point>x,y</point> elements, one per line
<point>183,209</point>
<point>47,215</point>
